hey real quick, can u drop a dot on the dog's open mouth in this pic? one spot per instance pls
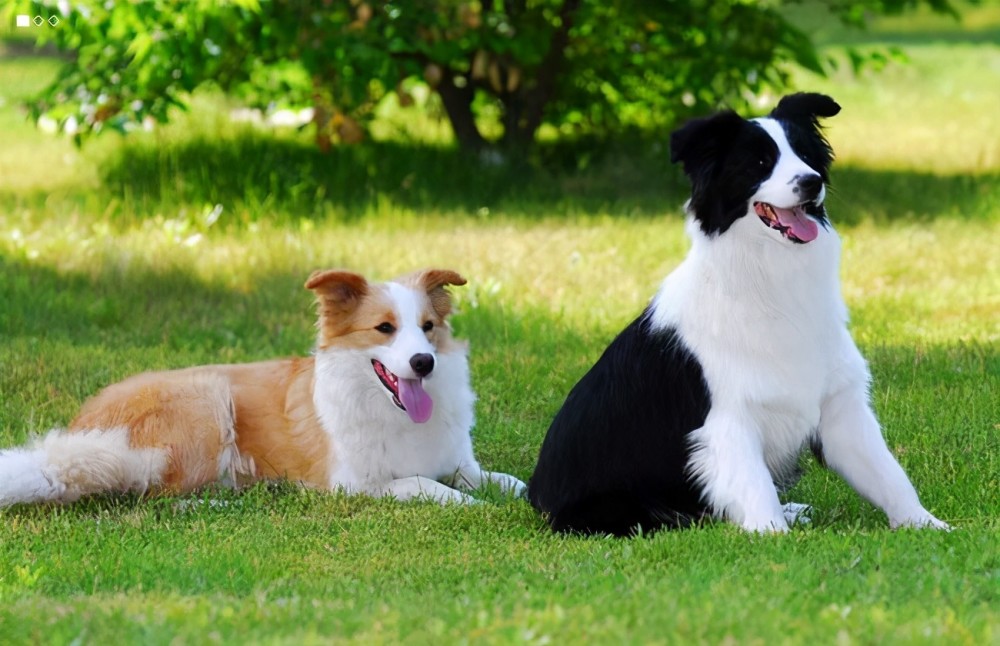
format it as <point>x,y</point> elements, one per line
<point>794,223</point>
<point>408,394</point>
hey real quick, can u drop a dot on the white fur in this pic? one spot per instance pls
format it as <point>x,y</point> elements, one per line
<point>377,449</point>
<point>777,190</point>
<point>23,477</point>
<point>409,338</point>
<point>765,319</point>
<point>62,467</point>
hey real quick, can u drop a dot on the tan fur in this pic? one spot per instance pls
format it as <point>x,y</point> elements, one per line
<point>350,308</point>
<point>196,413</point>
<point>355,328</point>
<point>238,423</point>
<point>433,281</point>
<point>322,421</point>
<point>338,295</point>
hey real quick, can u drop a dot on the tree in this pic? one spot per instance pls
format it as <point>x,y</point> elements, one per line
<point>591,65</point>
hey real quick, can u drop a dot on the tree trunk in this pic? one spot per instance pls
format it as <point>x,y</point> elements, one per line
<point>523,110</point>
<point>458,104</point>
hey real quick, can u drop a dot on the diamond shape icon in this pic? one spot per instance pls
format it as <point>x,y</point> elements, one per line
<point>54,20</point>
<point>38,21</point>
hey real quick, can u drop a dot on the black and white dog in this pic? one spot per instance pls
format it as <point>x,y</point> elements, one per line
<point>702,406</point>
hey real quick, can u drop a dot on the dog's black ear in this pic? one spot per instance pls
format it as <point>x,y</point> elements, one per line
<point>805,105</point>
<point>803,112</point>
<point>701,142</point>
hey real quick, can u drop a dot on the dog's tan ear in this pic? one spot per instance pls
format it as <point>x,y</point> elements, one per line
<point>337,285</point>
<point>434,281</point>
<point>338,293</point>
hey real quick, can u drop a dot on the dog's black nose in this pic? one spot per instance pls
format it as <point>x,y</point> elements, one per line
<point>808,187</point>
<point>422,364</point>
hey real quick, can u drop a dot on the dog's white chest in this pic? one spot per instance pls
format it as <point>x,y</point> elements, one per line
<point>373,442</point>
<point>765,324</point>
<point>764,367</point>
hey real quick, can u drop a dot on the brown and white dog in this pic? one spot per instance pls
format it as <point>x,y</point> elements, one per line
<point>384,407</point>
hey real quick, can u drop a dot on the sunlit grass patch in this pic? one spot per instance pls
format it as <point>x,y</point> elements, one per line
<point>926,113</point>
<point>190,244</point>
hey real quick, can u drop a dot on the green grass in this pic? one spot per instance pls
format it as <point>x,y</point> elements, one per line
<point>109,266</point>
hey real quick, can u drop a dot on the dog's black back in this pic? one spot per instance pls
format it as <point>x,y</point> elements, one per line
<point>615,455</point>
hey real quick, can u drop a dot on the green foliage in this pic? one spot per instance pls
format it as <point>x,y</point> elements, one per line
<point>114,260</point>
<point>579,65</point>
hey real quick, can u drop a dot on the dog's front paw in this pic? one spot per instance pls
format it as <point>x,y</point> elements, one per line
<point>926,521</point>
<point>777,525</point>
<point>509,485</point>
<point>455,497</point>
<point>796,513</point>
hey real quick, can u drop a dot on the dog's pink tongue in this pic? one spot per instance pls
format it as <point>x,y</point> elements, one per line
<point>415,399</point>
<point>799,224</point>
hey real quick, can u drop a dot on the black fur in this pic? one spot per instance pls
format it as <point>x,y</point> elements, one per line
<point>615,456</point>
<point>799,115</point>
<point>727,157</point>
<point>615,459</point>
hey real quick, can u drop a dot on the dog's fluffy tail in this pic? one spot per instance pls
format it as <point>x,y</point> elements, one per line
<point>63,466</point>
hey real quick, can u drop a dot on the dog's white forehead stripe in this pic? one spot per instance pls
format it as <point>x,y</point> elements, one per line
<point>779,189</point>
<point>786,152</point>
<point>409,339</point>
<point>407,303</point>
<point>776,132</point>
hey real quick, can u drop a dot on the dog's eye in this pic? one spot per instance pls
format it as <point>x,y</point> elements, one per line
<point>428,326</point>
<point>386,328</point>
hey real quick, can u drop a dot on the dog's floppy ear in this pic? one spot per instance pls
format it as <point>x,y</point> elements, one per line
<point>807,106</point>
<point>700,142</point>
<point>337,285</point>
<point>803,111</point>
<point>434,281</point>
<point>338,294</point>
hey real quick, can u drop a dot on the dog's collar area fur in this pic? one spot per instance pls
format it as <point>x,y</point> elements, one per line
<point>793,223</point>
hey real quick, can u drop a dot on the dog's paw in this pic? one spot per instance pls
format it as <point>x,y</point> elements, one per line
<point>796,513</point>
<point>419,487</point>
<point>492,481</point>
<point>923,522</point>
<point>509,485</point>
<point>936,523</point>
<point>770,528</point>
<point>448,497</point>
<point>516,488</point>
<point>776,525</point>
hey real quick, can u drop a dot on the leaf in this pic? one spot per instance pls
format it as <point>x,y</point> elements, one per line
<point>139,48</point>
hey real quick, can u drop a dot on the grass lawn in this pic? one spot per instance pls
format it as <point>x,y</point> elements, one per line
<point>114,260</point>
